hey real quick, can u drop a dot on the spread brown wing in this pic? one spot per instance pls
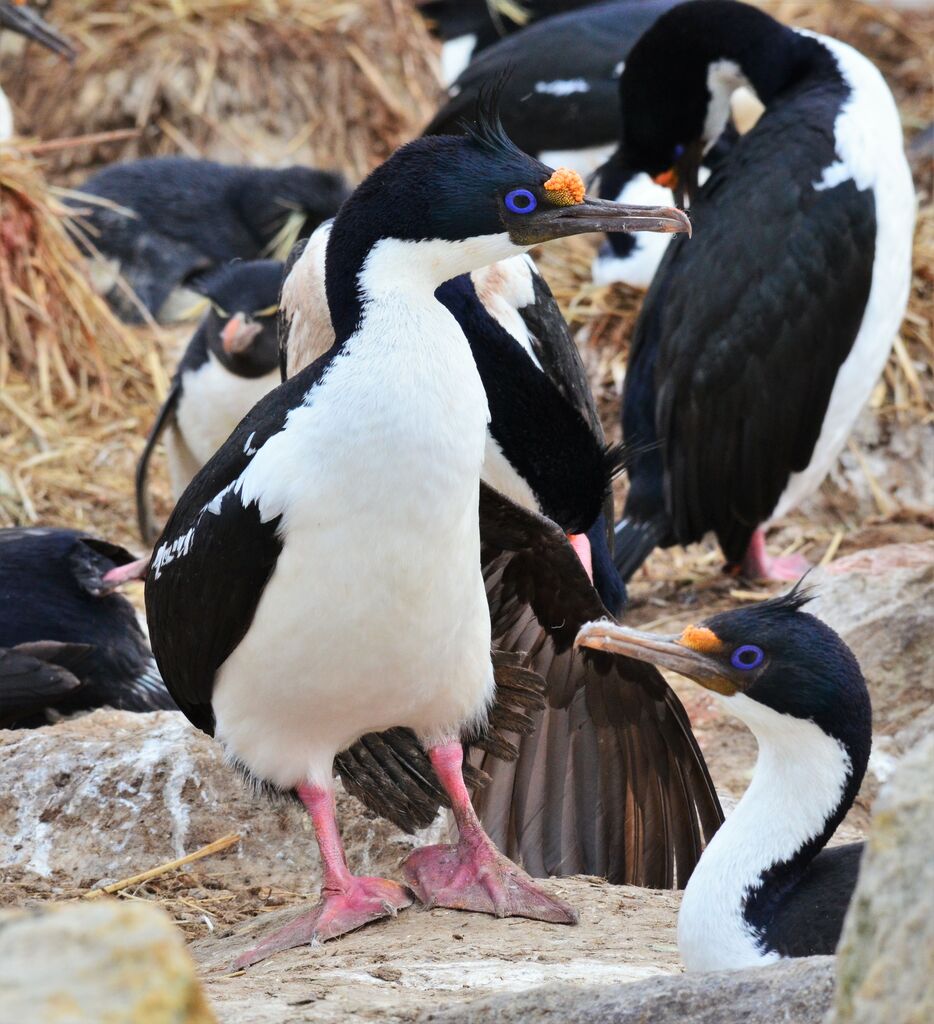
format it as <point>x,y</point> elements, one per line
<point>611,780</point>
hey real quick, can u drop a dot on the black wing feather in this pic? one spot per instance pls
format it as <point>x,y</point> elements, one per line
<point>200,604</point>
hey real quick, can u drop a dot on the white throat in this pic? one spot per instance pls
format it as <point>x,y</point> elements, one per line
<point>394,266</point>
<point>724,77</point>
<point>798,782</point>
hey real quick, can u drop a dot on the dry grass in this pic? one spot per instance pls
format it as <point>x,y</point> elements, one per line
<point>332,83</point>
<point>67,450</point>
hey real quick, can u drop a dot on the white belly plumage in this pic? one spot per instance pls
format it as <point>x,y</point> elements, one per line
<point>375,614</point>
<point>212,404</point>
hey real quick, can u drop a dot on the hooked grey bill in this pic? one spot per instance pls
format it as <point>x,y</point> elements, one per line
<point>598,215</point>
<point>28,23</point>
<point>663,651</point>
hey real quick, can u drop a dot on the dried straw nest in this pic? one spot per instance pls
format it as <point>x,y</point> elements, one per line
<point>73,379</point>
<point>332,83</point>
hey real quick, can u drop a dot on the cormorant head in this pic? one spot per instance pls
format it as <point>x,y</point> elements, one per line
<point>443,206</point>
<point>240,325</point>
<point>766,660</point>
<point>16,16</point>
<point>675,88</point>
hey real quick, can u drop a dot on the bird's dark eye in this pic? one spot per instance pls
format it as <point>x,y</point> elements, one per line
<point>520,200</point>
<point>746,657</point>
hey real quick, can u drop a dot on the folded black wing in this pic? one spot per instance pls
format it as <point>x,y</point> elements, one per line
<point>215,557</point>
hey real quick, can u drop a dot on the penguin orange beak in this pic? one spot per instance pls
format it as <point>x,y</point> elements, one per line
<point>581,546</point>
<point>238,334</point>
<point>667,179</point>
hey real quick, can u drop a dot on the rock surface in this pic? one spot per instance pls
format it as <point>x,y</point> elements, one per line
<point>90,963</point>
<point>796,991</point>
<point>886,955</point>
<point>392,970</point>
<point>881,602</point>
<point>111,794</point>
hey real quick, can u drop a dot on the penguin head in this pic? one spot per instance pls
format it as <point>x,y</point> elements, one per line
<point>240,324</point>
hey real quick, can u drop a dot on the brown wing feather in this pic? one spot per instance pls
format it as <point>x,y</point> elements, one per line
<point>611,781</point>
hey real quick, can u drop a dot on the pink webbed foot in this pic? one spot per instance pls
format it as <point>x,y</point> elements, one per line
<point>474,875</point>
<point>358,902</point>
<point>758,564</point>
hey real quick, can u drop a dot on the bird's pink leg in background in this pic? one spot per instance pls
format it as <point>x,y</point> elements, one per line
<point>758,564</point>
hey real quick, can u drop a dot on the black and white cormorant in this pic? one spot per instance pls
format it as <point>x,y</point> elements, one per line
<point>766,887</point>
<point>560,82</point>
<point>231,361</point>
<point>758,343</point>
<point>67,643</point>
<point>466,27</point>
<point>330,551</point>
<point>23,20</point>
<point>608,779</point>
<point>168,221</point>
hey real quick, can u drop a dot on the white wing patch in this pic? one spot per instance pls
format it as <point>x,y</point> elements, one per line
<point>167,553</point>
<point>562,87</point>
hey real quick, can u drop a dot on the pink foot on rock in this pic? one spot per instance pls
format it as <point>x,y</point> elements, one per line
<point>473,875</point>
<point>758,564</point>
<point>360,901</point>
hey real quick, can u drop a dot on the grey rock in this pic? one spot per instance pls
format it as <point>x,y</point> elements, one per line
<point>110,794</point>
<point>85,963</point>
<point>881,602</point>
<point>885,973</point>
<point>790,992</point>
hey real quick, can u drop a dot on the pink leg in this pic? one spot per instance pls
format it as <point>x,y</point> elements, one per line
<point>347,901</point>
<point>474,875</point>
<point>581,545</point>
<point>758,564</point>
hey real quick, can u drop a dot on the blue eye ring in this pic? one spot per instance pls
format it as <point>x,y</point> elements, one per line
<point>678,152</point>
<point>747,657</point>
<point>520,200</point>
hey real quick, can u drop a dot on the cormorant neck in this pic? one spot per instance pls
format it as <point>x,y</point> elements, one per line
<point>803,784</point>
<point>741,45</point>
<point>391,269</point>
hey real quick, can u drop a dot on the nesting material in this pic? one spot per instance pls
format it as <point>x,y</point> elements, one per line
<point>337,84</point>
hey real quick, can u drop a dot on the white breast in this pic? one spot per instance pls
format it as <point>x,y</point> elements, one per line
<point>869,150</point>
<point>213,402</point>
<point>376,614</point>
<point>798,782</point>
<point>638,268</point>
